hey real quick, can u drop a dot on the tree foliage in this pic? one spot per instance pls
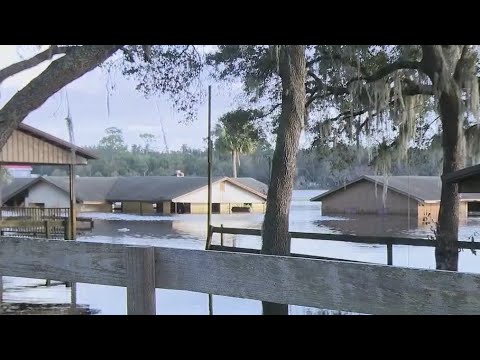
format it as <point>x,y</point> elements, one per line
<point>237,133</point>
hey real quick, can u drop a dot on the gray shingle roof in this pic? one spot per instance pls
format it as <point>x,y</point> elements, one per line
<point>15,186</point>
<point>130,188</point>
<point>86,188</point>
<point>154,188</point>
<point>420,188</point>
<point>253,184</point>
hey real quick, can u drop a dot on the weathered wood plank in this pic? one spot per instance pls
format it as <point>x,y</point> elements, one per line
<point>140,262</point>
<point>63,260</point>
<point>380,240</point>
<point>372,289</point>
<point>365,288</point>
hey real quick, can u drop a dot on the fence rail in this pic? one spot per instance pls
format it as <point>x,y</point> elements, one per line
<point>39,222</point>
<point>336,285</point>
<point>34,212</point>
<point>389,241</point>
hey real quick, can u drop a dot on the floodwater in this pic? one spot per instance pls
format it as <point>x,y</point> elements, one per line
<point>189,231</point>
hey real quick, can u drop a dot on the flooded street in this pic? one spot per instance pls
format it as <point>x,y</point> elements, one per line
<point>189,231</point>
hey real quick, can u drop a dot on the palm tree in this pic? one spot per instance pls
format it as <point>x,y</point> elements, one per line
<point>237,133</point>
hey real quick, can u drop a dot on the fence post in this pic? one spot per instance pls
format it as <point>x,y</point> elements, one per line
<point>47,229</point>
<point>66,236</point>
<point>389,254</point>
<point>209,238</point>
<point>73,296</point>
<point>66,230</point>
<point>221,235</point>
<point>140,268</point>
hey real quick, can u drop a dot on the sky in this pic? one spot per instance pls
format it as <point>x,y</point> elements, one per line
<point>129,110</point>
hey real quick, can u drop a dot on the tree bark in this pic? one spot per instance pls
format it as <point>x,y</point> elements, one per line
<point>234,163</point>
<point>275,236</point>
<point>31,62</point>
<point>78,61</point>
<point>446,251</point>
<point>450,105</point>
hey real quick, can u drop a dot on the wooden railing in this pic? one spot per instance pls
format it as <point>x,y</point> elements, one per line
<point>335,285</point>
<point>36,213</point>
<point>47,229</point>
<point>39,222</point>
<point>389,241</point>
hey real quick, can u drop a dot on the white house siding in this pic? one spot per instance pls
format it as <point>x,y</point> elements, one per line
<point>48,195</point>
<point>231,194</point>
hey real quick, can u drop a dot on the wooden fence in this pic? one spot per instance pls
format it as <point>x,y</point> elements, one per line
<point>47,229</point>
<point>336,285</point>
<point>389,241</point>
<point>39,222</point>
<point>34,213</point>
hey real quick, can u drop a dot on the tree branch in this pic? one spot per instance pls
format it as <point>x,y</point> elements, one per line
<point>32,62</point>
<point>78,61</point>
<point>347,61</point>
<point>388,69</point>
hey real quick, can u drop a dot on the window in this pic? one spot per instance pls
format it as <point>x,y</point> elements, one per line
<point>216,208</point>
<point>38,205</point>
<point>183,208</point>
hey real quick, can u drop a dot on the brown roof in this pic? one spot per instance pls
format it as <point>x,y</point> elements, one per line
<point>55,141</point>
<point>419,188</point>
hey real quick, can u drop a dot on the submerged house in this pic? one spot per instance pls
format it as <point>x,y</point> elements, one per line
<point>187,194</point>
<point>417,196</point>
<point>139,194</point>
<point>54,192</point>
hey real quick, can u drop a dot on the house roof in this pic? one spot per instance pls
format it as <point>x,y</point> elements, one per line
<point>86,188</point>
<point>130,188</point>
<point>93,188</point>
<point>420,188</point>
<point>463,174</point>
<point>163,188</point>
<point>16,186</point>
<point>56,141</point>
<point>252,184</point>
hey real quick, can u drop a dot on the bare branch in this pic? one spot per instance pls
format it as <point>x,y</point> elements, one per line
<point>78,61</point>
<point>274,107</point>
<point>32,62</point>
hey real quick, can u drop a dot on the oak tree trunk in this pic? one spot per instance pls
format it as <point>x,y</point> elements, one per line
<point>275,236</point>
<point>448,85</point>
<point>446,251</point>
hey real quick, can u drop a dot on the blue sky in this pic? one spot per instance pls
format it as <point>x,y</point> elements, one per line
<point>129,110</point>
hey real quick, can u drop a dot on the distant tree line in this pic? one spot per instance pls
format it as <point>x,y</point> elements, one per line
<point>319,166</point>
